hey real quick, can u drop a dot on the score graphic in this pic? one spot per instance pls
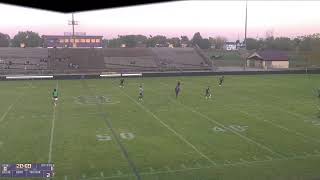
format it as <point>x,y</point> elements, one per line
<point>27,170</point>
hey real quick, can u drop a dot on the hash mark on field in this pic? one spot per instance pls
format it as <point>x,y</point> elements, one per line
<point>183,166</point>
<point>242,160</point>
<point>101,174</point>
<point>209,167</point>
<point>225,127</point>
<point>269,158</point>
<point>119,173</point>
<point>151,169</point>
<point>169,128</point>
<point>65,178</point>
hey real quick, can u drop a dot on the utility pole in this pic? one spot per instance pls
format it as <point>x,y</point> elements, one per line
<point>73,23</point>
<point>245,34</point>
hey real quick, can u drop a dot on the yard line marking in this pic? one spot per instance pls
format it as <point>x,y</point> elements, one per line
<point>169,128</point>
<point>101,173</point>
<point>114,134</point>
<point>4,115</point>
<point>65,178</point>
<point>52,130</point>
<point>280,126</point>
<point>208,167</point>
<point>6,112</point>
<point>225,127</point>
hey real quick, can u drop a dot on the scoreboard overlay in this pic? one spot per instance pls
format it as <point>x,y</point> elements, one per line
<point>35,170</point>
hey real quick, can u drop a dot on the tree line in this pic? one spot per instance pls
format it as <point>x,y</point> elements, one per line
<point>302,43</point>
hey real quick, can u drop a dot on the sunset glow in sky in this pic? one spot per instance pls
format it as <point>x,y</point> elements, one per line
<point>210,18</point>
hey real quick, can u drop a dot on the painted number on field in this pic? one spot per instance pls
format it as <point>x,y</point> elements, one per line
<point>106,137</point>
<point>236,128</point>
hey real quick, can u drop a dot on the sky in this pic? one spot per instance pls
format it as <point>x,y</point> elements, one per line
<point>173,19</point>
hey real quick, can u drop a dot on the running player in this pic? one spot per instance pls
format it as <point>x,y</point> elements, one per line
<point>122,83</point>
<point>55,97</point>
<point>221,79</point>
<point>177,89</point>
<point>208,93</point>
<point>140,93</point>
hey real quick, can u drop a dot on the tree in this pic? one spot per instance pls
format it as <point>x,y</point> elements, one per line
<point>252,44</point>
<point>4,40</point>
<point>114,43</point>
<point>158,40</point>
<point>219,42</point>
<point>175,41</point>
<point>129,40</point>
<point>28,38</point>
<point>197,38</point>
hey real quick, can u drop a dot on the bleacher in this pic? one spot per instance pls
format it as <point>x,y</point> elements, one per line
<point>66,60</point>
<point>180,59</point>
<point>13,60</point>
<point>141,59</point>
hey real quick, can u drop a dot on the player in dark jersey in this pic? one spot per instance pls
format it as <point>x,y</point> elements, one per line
<point>221,79</point>
<point>122,83</point>
<point>55,96</point>
<point>318,92</point>
<point>208,93</point>
<point>140,93</point>
<point>177,89</point>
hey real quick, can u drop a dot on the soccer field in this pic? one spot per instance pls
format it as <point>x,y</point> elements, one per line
<point>258,127</point>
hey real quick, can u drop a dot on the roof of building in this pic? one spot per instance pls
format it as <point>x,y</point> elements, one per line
<point>270,55</point>
<point>77,36</point>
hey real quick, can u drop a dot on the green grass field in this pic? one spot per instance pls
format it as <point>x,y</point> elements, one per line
<point>263,127</point>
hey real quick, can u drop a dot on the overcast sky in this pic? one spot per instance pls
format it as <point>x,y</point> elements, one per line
<point>210,18</point>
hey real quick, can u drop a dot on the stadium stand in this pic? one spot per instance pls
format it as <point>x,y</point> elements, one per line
<point>70,60</point>
<point>180,59</point>
<point>23,60</point>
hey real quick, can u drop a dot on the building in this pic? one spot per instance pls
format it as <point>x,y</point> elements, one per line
<point>64,41</point>
<point>268,59</point>
<point>232,46</point>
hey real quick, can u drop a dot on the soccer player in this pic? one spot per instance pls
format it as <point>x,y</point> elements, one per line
<point>177,89</point>
<point>318,92</point>
<point>122,83</point>
<point>221,79</point>
<point>208,93</point>
<point>140,93</point>
<point>55,97</point>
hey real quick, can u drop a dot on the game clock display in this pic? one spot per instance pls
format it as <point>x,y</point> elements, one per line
<point>35,170</point>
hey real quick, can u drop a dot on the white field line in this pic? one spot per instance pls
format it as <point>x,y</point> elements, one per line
<point>4,115</point>
<point>281,127</point>
<point>225,127</point>
<point>241,163</point>
<point>52,130</point>
<point>170,129</point>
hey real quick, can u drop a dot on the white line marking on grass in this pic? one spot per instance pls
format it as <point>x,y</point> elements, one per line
<point>169,128</point>
<point>269,157</point>
<point>246,163</point>
<point>183,166</point>
<point>151,169</point>
<point>6,112</point>
<point>101,174</point>
<point>119,172</point>
<point>65,178</point>
<point>168,169</point>
<point>83,176</point>
<point>52,130</point>
<point>230,129</point>
<point>280,127</point>
<point>242,160</point>
<point>225,127</point>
